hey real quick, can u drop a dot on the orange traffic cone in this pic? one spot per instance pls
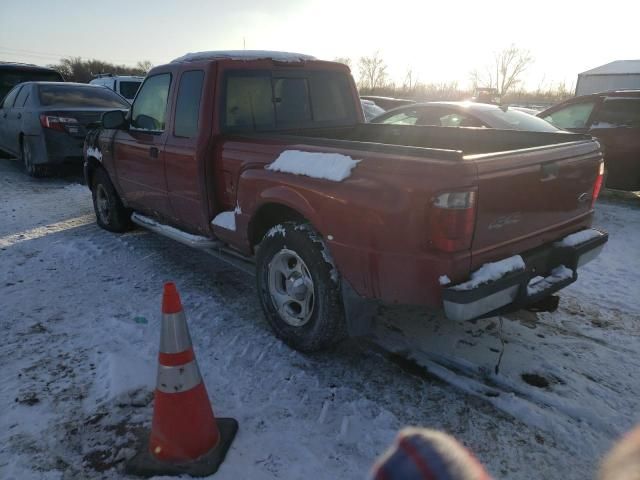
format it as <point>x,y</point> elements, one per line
<point>185,435</point>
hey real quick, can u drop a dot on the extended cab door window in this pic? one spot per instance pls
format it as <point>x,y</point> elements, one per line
<point>150,108</point>
<point>188,104</point>
<point>575,115</point>
<point>269,100</point>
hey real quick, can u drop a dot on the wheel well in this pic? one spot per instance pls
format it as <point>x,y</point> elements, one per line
<point>93,164</point>
<point>269,215</point>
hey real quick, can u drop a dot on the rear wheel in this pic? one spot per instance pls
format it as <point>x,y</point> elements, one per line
<point>299,288</point>
<point>111,214</point>
<point>32,170</point>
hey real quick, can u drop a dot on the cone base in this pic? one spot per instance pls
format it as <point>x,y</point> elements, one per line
<point>144,464</point>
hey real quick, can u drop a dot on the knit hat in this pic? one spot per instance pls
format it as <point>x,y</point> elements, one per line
<point>422,454</point>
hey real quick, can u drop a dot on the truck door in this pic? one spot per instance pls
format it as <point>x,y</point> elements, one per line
<point>139,151</point>
<point>186,176</point>
<point>616,124</point>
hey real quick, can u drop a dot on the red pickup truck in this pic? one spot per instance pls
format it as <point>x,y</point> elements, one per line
<point>263,159</point>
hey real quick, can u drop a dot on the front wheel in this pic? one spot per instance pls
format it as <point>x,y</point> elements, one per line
<point>299,288</point>
<point>110,212</point>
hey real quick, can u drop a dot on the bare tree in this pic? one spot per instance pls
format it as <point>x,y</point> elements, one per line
<point>344,60</point>
<point>144,66</point>
<point>506,71</point>
<point>373,71</point>
<point>75,69</point>
<point>410,79</point>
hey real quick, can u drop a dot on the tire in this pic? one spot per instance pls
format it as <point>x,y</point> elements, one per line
<point>111,214</point>
<point>299,288</point>
<point>26,155</point>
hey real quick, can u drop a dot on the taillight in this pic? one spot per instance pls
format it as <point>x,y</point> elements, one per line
<point>56,123</point>
<point>452,220</point>
<point>597,186</point>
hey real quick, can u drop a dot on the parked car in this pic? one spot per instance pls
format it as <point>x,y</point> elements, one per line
<point>263,159</point>
<point>370,109</point>
<point>44,123</point>
<point>11,74</point>
<point>126,85</point>
<point>614,119</point>
<point>387,103</point>
<point>465,114</point>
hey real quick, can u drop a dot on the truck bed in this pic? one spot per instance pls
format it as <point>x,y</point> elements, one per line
<point>438,142</point>
<point>532,186</point>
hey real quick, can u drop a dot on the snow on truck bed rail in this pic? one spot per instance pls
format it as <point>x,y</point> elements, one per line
<point>244,55</point>
<point>492,271</point>
<point>329,166</point>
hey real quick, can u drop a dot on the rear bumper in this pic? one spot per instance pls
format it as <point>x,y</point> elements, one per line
<point>62,147</point>
<point>543,275</point>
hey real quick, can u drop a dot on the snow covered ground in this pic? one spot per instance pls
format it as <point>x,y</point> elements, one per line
<point>79,316</point>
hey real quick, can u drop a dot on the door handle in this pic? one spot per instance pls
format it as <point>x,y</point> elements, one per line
<point>153,152</point>
<point>19,116</point>
<point>4,115</point>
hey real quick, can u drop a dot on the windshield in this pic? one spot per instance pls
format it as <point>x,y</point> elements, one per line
<point>271,100</point>
<point>10,78</point>
<point>515,120</point>
<point>129,89</point>
<point>79,96</point>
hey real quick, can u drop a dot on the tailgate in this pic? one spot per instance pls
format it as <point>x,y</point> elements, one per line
<point>532,196</point>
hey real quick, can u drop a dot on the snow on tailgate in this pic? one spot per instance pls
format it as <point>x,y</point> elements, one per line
<point>492,271</point>
<point>330,166</point>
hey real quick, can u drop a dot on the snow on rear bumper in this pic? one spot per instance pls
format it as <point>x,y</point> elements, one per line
<point>513,290</point>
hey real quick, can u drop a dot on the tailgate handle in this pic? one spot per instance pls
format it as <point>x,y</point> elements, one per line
<point>153,152</point>
<point>549,171</point>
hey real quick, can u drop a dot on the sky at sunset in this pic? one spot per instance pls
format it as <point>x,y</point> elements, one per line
<point>440,41</point>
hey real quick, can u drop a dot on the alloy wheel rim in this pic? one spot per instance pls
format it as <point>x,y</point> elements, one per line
<point>291,287</point>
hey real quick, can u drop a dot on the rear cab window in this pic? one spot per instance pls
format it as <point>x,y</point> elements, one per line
<point>52,95</point>
<point>150,107</point>
<point>279,100</point>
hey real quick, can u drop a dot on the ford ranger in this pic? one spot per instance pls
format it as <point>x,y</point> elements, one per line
<point>264,159</point>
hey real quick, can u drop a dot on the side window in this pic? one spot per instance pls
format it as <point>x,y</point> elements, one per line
<point>249,102</point>
<point>10,98</point>
<point>571,116</point>
<point>291,100</point>
<point>409,117</point>
<point>22,97</point>
<point>617,113</point>
<point>188,104</point>
<point>149,110</point>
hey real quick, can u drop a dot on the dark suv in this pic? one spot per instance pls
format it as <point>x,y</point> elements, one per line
<point>11,74</point>
<point>614,119</point>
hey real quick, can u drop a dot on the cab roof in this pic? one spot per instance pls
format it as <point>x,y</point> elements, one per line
<point>244,55</point>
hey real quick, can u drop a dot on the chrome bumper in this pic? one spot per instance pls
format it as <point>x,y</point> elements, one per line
<point>510,293</point>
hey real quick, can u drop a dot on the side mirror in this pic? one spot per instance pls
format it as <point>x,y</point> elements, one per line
<point>114,120</point>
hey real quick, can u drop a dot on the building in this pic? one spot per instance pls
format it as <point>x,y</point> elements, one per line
<point>618,75</point>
